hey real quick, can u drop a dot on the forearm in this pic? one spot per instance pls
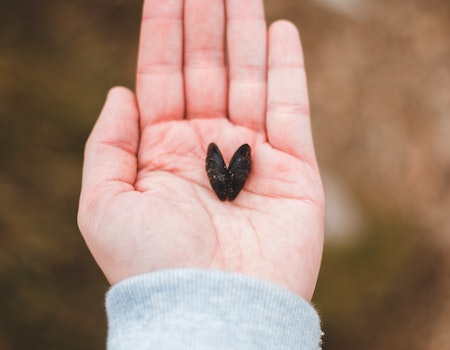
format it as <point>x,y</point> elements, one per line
<point>208,309</point>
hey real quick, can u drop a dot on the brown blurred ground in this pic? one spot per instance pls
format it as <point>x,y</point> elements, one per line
<point>379,77</point>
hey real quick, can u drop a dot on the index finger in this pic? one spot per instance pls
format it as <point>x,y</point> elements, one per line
<point>159,81</point>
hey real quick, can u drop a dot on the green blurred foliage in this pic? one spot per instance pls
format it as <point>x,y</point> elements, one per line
<point>368,285</point>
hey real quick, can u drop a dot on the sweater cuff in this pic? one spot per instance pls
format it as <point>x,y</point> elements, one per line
<point>208,309</point>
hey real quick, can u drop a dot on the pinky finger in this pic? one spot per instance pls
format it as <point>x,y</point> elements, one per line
<point>288,120</point>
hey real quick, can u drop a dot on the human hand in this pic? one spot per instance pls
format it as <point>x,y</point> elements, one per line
<point>146,203</point>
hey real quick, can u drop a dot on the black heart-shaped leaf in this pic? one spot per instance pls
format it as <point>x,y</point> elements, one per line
<point>228,182</point>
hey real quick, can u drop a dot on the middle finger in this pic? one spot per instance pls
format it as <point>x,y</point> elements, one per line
<point>204,59</point>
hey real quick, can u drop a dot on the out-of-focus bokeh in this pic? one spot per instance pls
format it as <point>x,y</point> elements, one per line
<point>379,79</point>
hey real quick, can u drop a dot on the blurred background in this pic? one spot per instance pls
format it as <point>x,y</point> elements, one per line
<point>379,79</point>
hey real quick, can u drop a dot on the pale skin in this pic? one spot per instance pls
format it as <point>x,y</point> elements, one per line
<point>146,203</point>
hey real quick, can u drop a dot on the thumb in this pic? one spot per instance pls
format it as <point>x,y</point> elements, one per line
<point>110,159</point>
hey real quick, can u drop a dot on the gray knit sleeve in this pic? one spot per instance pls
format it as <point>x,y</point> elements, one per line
<point>207,309</point>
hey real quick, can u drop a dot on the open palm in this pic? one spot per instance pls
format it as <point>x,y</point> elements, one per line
<point>146,202</point>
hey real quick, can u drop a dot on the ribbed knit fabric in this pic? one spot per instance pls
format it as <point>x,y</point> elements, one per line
<point>207,309</point>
